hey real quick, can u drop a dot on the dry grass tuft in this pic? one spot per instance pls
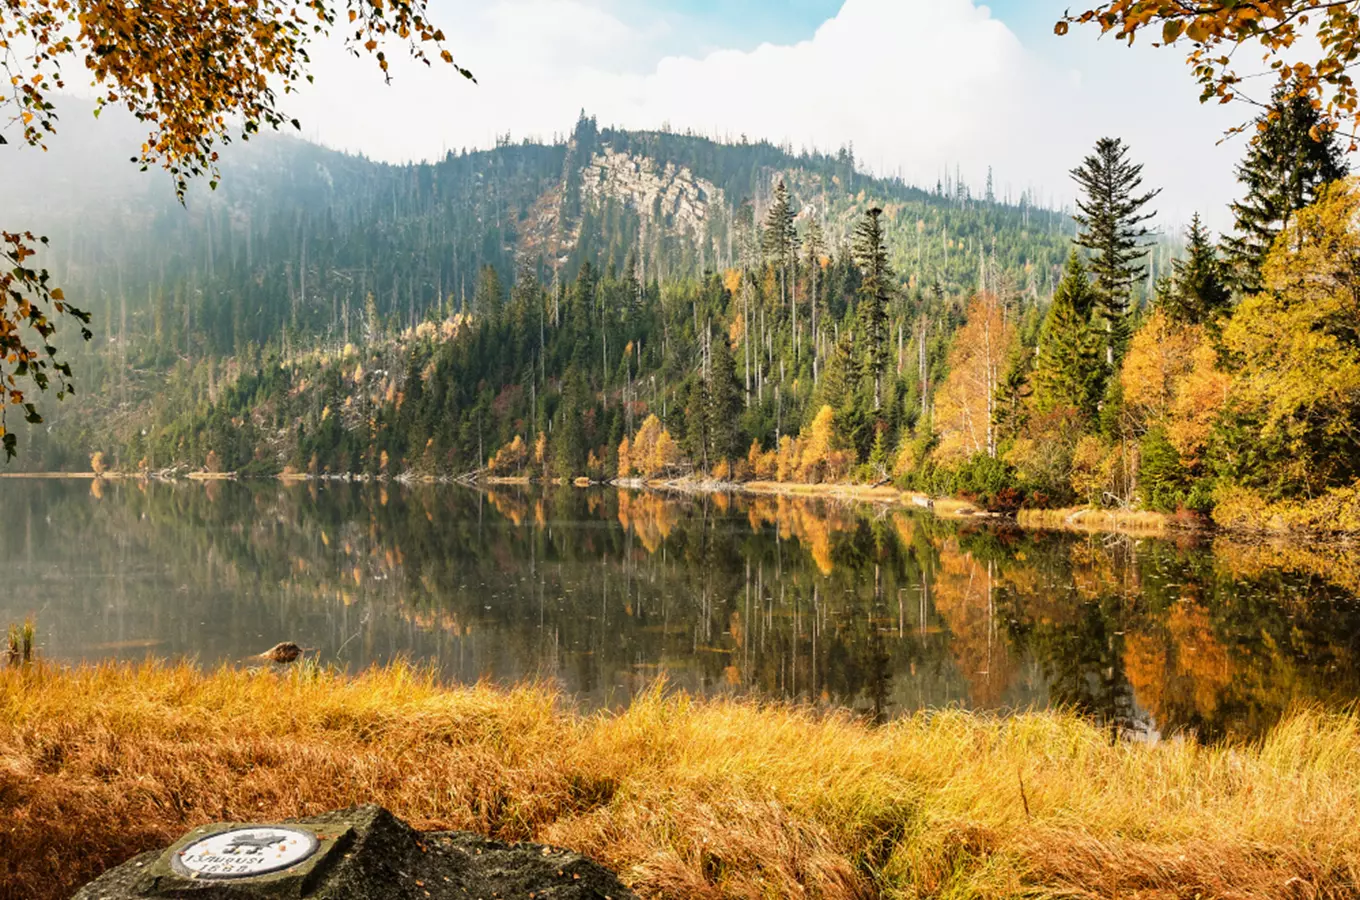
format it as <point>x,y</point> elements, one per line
<point>683,798</point>
<point>1088,519</point>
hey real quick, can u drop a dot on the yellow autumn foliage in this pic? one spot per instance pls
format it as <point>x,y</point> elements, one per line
<point>510,458</point>
<point>1159,356</point>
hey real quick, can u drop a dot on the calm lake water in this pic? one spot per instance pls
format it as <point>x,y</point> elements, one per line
<point>879,611</point>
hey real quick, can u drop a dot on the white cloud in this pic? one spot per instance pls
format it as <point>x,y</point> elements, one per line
<point>918,86</point>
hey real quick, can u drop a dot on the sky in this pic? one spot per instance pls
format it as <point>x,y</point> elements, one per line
<point>917,87</point>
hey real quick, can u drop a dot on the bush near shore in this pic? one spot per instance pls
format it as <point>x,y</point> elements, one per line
<point>683,798</point>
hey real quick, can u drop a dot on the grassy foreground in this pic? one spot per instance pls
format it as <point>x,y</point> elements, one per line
<point>682,798</point>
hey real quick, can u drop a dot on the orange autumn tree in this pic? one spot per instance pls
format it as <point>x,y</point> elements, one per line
<point>511,458</point>
<point>966,404</point>
<point>194,72</point>
<point>651,452</point>
<point>822,454</point>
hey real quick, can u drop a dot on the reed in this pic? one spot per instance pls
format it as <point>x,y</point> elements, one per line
<point>19,644</point>
<point>684,798</point>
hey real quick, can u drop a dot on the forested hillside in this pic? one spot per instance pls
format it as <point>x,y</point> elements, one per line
<point>602,264</point>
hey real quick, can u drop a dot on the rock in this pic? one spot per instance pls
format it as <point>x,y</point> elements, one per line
<point>638,182</point>
<point>363,853</point>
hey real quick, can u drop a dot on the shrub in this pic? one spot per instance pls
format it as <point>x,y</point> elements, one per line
<point>989,482</point>
<point>1163,483</point>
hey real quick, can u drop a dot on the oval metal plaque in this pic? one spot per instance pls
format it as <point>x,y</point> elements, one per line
<point>245,852</point>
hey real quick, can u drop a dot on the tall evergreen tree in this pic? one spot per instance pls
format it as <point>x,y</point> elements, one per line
<point>1287,164</point>
<point>837,387</point>
<point>695,438</point>
<point>779,239</point>
<point>569,438</point>
<point>1069,373</point>
<point>1110,218</point>
<point>1199,291</point>
<point>870,251</point>
<point>490,295</point>
<point>722,402</point>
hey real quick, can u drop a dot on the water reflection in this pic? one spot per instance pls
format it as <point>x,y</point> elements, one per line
<point>875,610</point>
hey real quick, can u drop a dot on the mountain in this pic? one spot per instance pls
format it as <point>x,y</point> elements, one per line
<point>304,249</point>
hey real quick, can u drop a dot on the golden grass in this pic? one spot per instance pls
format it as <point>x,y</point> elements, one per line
<point>1090,519</point>
<point>683,798</point>
<point>837,490</point>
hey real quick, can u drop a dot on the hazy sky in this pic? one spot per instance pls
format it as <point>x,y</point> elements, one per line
<point>918,86</point>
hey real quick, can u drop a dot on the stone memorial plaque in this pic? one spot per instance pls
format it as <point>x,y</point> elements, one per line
<point>245,852</point>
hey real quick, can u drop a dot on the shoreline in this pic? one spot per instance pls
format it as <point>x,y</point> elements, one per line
<point>1078,520</point>
<point>1072,520</point>
<point>682,797</point>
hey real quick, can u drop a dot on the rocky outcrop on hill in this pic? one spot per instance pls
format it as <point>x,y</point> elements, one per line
<point>672,193</point>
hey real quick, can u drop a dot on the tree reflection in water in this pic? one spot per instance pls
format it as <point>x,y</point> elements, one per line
<point>878,611</point>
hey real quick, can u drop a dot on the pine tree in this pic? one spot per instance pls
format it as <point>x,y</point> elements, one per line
<point>1069,373</point>
<point>871,255</point>
<point>1286,166</point>
<point>722,402</point>
<point>569,439</point>
<point>837,386</point>
<point>779,239</point>
<point>695,439</point>
<point>1198,292</point>
<point>1110,219</point>
<point>490,296</point>
<point>878,454</point>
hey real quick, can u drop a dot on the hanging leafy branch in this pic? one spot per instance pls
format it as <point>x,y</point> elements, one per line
<point>25,298</point>
<point>1215,29</point>
<point>188,68</point>
<point>194,71</point>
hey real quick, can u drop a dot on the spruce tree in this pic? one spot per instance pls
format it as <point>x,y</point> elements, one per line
<point>722,402</point>
<point>837,387</point>
<point>1199,291</point>
<point>1069,373</point>
<point>569,439</point>
<point>490,296</point>
<point>779,239</point>
<point>695,439</point>
<point>1286,166</point>
<point>870,251</point>
<point>1110,219</point>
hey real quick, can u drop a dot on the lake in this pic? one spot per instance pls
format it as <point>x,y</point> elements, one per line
<point>879,611</point>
